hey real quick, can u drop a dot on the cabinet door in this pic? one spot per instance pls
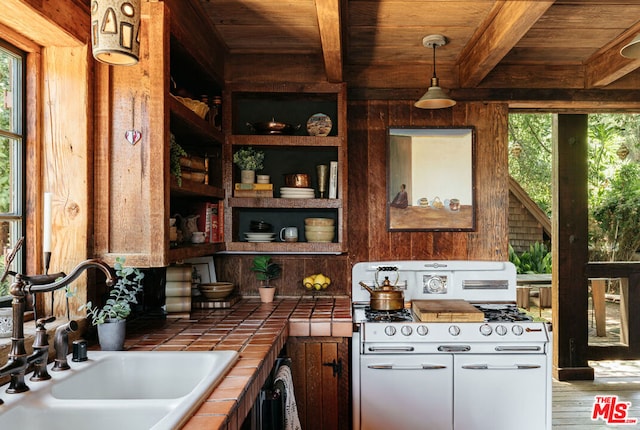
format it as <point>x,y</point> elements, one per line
<point>320,370</point>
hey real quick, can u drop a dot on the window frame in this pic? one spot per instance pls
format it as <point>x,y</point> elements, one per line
<point>17,216</point>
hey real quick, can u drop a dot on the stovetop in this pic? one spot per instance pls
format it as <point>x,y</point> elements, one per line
<point>492,313</point>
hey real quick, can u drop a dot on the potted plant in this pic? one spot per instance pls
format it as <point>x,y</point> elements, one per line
<point>111,318</point>
<point>265,270</point>
<point>248,161</point>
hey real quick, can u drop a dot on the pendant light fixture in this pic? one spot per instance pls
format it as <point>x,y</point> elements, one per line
<point>632,49</point>
<point>434,98</point>
<point>115,31</point>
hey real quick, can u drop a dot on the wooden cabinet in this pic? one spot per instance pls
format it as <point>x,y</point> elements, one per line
<point>134,191</point>
<point>294,104</point>
<point>320,371</point>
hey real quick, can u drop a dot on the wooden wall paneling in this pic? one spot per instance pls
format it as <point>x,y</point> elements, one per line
<point>379,244</point>
<point>67,162</point>
<point>236,268</point>
<point>491,178</point>
<point>358,214</point>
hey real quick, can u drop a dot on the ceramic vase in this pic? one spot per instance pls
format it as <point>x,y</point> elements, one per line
<point>247,176</point>
<point>111,335</point>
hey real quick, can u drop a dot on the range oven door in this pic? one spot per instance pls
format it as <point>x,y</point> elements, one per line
<point>408,392</point>
<point>500,392</point>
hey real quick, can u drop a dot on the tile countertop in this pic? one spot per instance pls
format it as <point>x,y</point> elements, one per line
<point>258,331</point>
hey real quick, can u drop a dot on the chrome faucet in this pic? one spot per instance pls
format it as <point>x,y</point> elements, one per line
<point>22,285</point>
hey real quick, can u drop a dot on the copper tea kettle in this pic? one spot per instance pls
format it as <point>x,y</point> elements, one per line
<point>385,297</point>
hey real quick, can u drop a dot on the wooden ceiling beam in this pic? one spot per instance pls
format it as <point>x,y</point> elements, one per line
<point>608,65</point>
<point>329,23</point>
<point>500,32</point>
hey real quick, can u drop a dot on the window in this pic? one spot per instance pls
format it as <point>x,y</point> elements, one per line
<point>12,141</point>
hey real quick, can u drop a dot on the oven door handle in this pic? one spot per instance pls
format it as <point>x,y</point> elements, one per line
<point>418,367</point>
<point>391,348</point>
<point>454,348</point>
<point>488,367</point>
<point>518,348</point>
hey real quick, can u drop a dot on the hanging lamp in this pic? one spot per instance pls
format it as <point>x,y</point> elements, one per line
<point>115,31</point>
<point>632,49</point>
<point>434,98</point>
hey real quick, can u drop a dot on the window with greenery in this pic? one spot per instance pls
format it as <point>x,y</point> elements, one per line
<point>613,176</point>
<point>11,152</point>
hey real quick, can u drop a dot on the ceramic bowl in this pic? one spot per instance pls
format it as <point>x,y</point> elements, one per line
<point>319,228</point>
<point>319,221</point>
<point>319,236</point>
<point>216,290</point>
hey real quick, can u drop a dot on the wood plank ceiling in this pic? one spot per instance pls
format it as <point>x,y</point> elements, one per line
<point>566,50</point>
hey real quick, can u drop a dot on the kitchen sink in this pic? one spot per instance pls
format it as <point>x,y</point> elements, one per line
<point>119,389</point>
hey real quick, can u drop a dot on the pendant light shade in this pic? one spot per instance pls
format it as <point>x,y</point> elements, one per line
<point>632,49</point>
<point>115,31</point>
<point>435,97</point>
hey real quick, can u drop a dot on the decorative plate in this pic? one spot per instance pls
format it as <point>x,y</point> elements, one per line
<point>319,124</point>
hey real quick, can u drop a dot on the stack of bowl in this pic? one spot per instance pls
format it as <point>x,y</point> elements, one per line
<point>216,290</point>
<point>319,229</point>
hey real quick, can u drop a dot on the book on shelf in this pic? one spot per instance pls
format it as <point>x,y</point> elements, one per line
<point>253,193</point>
<point>333,180</point>
<point>220,234</point>
<point>261,187</point>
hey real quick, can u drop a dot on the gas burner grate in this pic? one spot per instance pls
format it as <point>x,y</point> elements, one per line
<point>387,316</point>
<point>503,313</point>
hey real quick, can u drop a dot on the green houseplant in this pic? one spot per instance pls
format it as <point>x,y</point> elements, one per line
<point>111,318</point>
<point>248,160</point>
<point>265,271</point>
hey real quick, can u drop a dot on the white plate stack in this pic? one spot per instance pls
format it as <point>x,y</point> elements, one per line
<point>297,193</point>
<point>259,237</point>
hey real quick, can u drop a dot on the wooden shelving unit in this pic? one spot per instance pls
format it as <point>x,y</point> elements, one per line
<point>294,104</point>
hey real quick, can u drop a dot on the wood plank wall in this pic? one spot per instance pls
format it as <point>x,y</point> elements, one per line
<point>369,239</point>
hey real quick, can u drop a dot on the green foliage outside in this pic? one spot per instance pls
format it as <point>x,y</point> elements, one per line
<point>536,260</point>
<point>613,183</point>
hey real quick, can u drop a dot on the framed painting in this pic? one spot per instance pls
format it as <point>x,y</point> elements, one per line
<point>430,179</point>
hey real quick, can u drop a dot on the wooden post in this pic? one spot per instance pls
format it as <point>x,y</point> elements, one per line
<point>522,299</point>
<point>597,296</point>
<point>570,302</point>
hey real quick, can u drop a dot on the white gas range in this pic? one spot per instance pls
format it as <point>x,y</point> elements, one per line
<point>487,367</point>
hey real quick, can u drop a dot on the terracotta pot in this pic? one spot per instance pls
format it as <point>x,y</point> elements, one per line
<point>266,294</point>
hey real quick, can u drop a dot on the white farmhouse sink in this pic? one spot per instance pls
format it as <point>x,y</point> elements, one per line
<point>124,390</point>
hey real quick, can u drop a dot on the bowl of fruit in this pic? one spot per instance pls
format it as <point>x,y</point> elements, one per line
<point>316,282</point>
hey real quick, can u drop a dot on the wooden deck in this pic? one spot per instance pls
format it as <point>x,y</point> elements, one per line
<point>573,401</point>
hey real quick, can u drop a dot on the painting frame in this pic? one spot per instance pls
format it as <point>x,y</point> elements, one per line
<point>431,178</point>
<point>205,268</point>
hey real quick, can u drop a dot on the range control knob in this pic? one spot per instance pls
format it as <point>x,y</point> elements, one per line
<point>422,330</point>
<point>486,329</point>
<point>517,330</point>
<point>501,330</point>
<point>390,330</point>
<point>454,330</point>
<point>406,330</point>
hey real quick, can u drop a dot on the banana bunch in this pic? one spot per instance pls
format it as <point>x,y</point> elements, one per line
<point>317,282</point>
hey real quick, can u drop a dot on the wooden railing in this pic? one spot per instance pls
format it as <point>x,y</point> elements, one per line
<point>628,273</point>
